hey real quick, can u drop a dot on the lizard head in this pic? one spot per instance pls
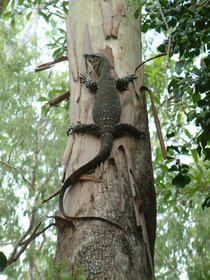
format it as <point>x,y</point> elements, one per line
<point>97,60</point>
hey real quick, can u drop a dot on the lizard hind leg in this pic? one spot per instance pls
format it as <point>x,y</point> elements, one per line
<point>84,128</point>
<point>125,128</point>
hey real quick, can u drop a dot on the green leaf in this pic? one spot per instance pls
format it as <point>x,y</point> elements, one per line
<point>206,203</point>
<point>179,66</point>
<point>3,261</point>
<point>191,115</point>
<point>4,4</point>
<point>13,23</point>
<point>7,15</point>
<point>187,133</point>
<point>180,181</point>
<point>58,52</point>
<point>172,147</point>
<point>169,135</point>
<point>167,194</point>
<point>196,97</point>
<point>206,152</point>
<point>45,16</point>
<point>204,86</point>
<point>202,139</point>
<point>145,27</point>
<point>136,14</point>
<point>65,6</point>
<point>184,150</point>
<point>62,31</point>
<point>194,155</point>
<point>28,16</point>
<point>45,109</point>
<point>173,168</point>
<point>162,48</point>
<point>184,168</point>
<point>42,98</point>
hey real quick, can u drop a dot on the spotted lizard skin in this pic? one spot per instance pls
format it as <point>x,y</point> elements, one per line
<point>106,115</point>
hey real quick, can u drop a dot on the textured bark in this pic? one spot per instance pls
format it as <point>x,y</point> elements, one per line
<point>125,192</point>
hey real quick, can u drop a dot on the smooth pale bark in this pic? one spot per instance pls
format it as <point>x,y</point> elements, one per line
<point>124,192</point>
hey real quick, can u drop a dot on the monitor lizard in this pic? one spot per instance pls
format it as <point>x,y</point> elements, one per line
<point>106,115</point>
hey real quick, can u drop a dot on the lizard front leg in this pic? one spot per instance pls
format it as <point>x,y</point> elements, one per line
<point>125,128</point>
<point>90,84</point>
<point>122,83</point>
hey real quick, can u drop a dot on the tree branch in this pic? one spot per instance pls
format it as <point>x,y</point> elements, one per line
<point>50,64</point>
<point>167,27</point>
<point>51,196</point>
<point>25,243</point>
<point>157,121</point>
<point>18,171</point>
<point>59,99</point>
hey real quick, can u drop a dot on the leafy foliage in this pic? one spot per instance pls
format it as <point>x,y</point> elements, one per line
<point>183,241</point>
<point>47,9</point>
<point>31,147</point>
<point>186,25</point>
<point>182,98</point>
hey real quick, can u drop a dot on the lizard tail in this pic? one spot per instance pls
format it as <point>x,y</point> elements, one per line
<point>106,146</point>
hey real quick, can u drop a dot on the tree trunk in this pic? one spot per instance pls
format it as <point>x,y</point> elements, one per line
<point>123,190</point>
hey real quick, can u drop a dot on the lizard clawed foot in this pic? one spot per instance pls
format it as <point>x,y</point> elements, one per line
<point>84,78</point>
<point>71,129</point>
<point>90,84</point>
<point>122,83</point>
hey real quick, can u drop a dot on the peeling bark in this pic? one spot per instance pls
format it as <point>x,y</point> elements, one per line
<point>106,13</point>
<point>118,14</point>
<point>125,192</point>
<point>111,20</point>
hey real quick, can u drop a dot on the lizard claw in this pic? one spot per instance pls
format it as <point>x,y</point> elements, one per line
<point>71,129</point>
<point>83,78</point>
<point>131,77</point>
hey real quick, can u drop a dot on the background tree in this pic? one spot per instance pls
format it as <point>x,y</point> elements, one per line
<point>31,144</point>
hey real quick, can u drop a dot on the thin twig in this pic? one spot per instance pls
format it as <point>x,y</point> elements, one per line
<point>158,55</point>
<point>30,227</point>
<point>49,177</point>
<point>36,234</point>
<point>157,121</point>
<point>25,243</point>
<point>167,27</point>
<point>19,172</point>
<point>50,64</point>
<point>13,258</point>
<point>51,196</point>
